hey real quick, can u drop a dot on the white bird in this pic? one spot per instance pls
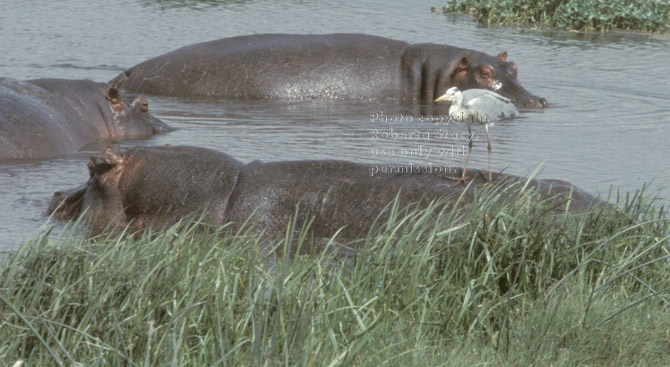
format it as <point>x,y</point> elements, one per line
<point>480,106</point>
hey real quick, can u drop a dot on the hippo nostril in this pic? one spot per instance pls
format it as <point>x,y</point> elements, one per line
<point>534,103</point>
<point>141,103</point>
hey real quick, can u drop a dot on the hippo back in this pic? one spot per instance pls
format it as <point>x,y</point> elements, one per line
<point>275,66</point>
<point>33,124</point>
<point>45,117</point>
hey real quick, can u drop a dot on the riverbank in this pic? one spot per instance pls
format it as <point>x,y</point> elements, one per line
<point>509,282</point>
<point>583,16</point>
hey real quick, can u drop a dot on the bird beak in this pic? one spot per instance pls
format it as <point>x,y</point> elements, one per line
<point>442,98</point>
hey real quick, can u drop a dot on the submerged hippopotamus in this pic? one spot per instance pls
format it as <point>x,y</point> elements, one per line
<point>149,185</point>
<point>45,117</point>
<point>349,66</point>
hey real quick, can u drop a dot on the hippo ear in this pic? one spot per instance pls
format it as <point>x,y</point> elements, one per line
<point>459,69</point>
<point>502,56</point>
<point>91,166</point>
<point>111,157</point>
<point>463,63</point>
<point>93,163</point>
<point>113,95</point>
<point>114,98</point>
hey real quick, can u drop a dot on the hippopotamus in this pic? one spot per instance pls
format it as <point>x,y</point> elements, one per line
<point>161,185</point>
<point>347,66</point>
<point>46,117</point>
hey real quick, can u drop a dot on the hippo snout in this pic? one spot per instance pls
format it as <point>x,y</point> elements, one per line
<point>67,204</point>
<point>143,104</point>
<point>534,103</point>
<point>56,201</point>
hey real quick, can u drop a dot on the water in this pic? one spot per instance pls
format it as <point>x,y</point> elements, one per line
<point>608,94</point>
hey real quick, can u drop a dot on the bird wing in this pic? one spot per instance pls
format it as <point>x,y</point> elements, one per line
<point>489,103</point>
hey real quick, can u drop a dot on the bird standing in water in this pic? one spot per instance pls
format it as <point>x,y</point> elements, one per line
<point>480,106</point>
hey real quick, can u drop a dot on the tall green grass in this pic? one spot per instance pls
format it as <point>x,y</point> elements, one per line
<point>580,15</point>
<point>506,282</point>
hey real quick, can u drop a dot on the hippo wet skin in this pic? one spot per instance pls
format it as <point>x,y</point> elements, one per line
<point>161,185</point>
<point>45,117</point>
<point>348,66</point>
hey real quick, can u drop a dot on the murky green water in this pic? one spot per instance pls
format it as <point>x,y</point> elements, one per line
<point>609,94</point>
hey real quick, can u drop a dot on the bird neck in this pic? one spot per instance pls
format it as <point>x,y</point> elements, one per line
<point>458,99</point>
<point>456,111</point>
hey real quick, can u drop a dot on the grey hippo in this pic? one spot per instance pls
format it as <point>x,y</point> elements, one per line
<point>347,66</point>
<point>149,185</point>
<point>46,117</point>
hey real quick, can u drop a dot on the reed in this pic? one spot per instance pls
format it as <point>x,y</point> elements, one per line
<point>506,282</point>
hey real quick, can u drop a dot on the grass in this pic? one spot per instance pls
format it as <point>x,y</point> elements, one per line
<point>509,282</point>
<point>575,15</point>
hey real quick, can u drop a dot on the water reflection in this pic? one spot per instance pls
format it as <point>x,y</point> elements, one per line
<point>194,4</point>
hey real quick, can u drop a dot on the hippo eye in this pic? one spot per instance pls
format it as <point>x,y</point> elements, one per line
<point>486,72</point>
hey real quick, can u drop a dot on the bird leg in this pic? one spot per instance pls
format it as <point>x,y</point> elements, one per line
<point>486,129</point>
<point>467,159</point>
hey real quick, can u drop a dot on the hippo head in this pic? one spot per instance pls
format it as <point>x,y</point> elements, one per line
<point>100,197</point>
<point>479,70</point>
<point>130,116</point>
<point>158,184</point>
